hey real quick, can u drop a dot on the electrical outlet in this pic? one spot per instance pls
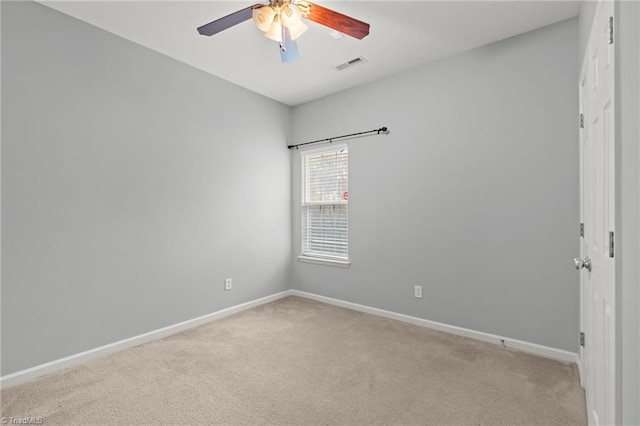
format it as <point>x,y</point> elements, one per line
<point>228,284</point>
<point>417,291</point>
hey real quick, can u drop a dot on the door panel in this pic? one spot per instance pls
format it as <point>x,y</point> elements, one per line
<point>597,208</point>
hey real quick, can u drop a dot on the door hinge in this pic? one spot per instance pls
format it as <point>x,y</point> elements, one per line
<point>611,244</point>
<point>582,339</point>
<point>611,30</point>
<point>582,121</point>
<point>582,230</point>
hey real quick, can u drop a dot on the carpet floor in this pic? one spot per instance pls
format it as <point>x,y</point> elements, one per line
<point>297,361</point>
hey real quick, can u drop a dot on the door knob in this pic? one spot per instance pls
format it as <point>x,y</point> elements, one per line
<point>582,263</point>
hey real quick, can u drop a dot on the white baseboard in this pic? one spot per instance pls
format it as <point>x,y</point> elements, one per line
<point>533,348</point>
<point>69,361</point>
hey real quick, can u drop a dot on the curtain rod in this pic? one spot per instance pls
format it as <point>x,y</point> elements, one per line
<point>382,130</point>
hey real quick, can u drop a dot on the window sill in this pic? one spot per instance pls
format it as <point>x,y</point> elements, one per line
<point>326,262</point>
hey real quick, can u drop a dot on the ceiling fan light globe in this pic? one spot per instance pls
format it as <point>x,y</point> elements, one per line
<point>297,30</point>
<point>289,15</point>
<point>263,17</point>
<point>275,32</point>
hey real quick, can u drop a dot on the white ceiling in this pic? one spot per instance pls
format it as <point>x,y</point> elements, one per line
<point>403,35</point>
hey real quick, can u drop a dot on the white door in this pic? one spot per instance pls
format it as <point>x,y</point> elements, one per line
<point>597,202</point>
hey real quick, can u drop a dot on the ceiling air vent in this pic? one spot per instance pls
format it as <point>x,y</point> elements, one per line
<point>351,63</point>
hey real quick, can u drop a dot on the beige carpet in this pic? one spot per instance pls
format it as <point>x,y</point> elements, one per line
<point>296,361</point>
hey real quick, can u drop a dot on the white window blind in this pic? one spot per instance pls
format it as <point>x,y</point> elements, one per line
<point>325,201</point>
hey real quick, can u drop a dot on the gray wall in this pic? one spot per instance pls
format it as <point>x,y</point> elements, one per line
<point>132,185</point>
<point>628,208</point>
<point>585,19</point>
<point>474,194</point>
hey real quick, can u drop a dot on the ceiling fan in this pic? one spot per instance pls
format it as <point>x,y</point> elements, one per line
<point>281,21</point>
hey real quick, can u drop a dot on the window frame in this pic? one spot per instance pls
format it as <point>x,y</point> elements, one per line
<point>320,259</point>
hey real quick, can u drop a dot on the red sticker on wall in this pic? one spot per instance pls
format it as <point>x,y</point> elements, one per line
<point>345,196</point>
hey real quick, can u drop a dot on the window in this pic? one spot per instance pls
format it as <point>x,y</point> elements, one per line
<point>325,202</point>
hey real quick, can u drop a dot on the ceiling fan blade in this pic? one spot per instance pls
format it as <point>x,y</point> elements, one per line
<point>288,48</point>
<point>337,21</point>
<point>228,21</point>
